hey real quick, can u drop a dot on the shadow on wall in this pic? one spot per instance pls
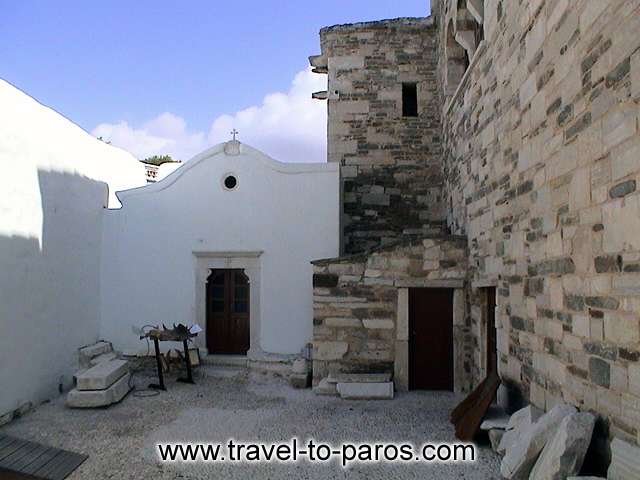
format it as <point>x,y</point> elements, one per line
<point>49,290</point>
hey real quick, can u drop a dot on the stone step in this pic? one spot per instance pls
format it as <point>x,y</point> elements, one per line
<point>103,375</point>
<point>99,398</point>
<point>225,360</point>
<point>365,391</point>
<point>105,357</point>
<point>359,377</point>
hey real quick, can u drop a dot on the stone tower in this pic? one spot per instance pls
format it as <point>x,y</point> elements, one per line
<point>384,128</point>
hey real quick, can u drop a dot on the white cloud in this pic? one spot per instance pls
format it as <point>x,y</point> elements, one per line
<point>165,134</point>
<point>290,127</point>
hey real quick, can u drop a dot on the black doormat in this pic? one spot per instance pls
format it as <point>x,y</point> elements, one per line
<point>23,460</point>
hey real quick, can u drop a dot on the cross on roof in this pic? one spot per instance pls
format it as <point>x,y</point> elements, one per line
<point>234,132</point>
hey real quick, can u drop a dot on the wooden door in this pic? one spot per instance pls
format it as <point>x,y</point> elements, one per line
<point>228,312</point>
<point>492,345</point>
<point>431,339</point>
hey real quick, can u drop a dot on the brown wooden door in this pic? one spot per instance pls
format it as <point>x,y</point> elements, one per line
<point>228,312</point>
<point>492,346</point>
<point>430,339</point>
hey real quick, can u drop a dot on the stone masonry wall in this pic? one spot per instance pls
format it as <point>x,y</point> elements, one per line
<point>542,163</point>
<point>356,298</point>
<point>390,164</point>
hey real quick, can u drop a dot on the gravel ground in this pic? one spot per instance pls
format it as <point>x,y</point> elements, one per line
<point>228,403</point>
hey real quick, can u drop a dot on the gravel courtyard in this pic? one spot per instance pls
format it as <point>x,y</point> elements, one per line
<point>228,403</point>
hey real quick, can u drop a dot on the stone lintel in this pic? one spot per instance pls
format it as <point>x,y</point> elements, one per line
<point>430,283</point>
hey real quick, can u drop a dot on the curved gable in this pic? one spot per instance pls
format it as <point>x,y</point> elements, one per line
<point>232,148</point>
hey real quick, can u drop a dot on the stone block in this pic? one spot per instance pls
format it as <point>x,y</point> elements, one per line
<point>624,159</point>
<point>599,372</point>
<point>564,454</point>
<point>105,357</point>
<point>359,378</point>
<point>365,391</point>
<point>520,457</point>
<point>621,328</point>
<point>348,322</point>
<point>621,220</point>
<point>619,125</point>
<point>85,354</point>
<point>518,423</point>
<point>524,418</point>
<point>622,189</point>
<point>402,332</point>
<point>495,418</point>
<point>378,323</point>
<point>401,366</point>
<point>99,398</point>
<point>495,436</point>
<point>300,366</point>
<point>300,380</point>
<point>330,350</point>
<point>345,62</point>
<point>103,375</point>
<point>627,284</point>
<point>325,387</point>
<point>625,461</point>
<point>586,478</point>
<point>635,75</point>
<point>634,378</point>
<point>379,199</point>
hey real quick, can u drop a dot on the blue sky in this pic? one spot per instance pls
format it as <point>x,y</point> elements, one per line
<point>160,68</point>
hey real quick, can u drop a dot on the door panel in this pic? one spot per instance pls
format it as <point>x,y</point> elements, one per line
<point>430,339</point>
<point>228,312</point>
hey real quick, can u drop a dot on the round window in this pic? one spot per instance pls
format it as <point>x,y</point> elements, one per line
<point>230,182</point>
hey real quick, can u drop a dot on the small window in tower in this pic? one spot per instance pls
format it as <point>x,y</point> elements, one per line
<point>409,99</point>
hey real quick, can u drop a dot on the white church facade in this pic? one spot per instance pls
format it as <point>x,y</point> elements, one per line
<point>224,242</point>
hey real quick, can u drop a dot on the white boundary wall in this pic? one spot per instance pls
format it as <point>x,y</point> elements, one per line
<point>54,191</point>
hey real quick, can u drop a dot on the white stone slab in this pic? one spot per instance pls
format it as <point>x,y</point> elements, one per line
<point>495,435</point>
<point>103,375</point>
<point>94,350</point>
<point>495,417</point>
<point>524,417</point>
<point>519,423</point>
<point>564,453</point>
<point>625,461</point>
<point>325,387</point>
<point>105,357</point>
<point>365,391</point>
<point>359,377</point>
<point>522,455</point>
<point>99,398</point>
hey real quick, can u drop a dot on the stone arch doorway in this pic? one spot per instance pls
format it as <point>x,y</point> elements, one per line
<point>228,311</point>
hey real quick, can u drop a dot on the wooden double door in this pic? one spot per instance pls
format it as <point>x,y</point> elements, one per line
<point>228,312</point>
<point>431,339</point>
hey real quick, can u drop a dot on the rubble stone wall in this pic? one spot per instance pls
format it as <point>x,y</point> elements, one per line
<point>356,304</point>
<point>390,164</point>
<point>542,165</point>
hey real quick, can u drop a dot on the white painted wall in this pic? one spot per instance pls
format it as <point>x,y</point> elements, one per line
<point>53,190</point>
<point>288,211</point>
